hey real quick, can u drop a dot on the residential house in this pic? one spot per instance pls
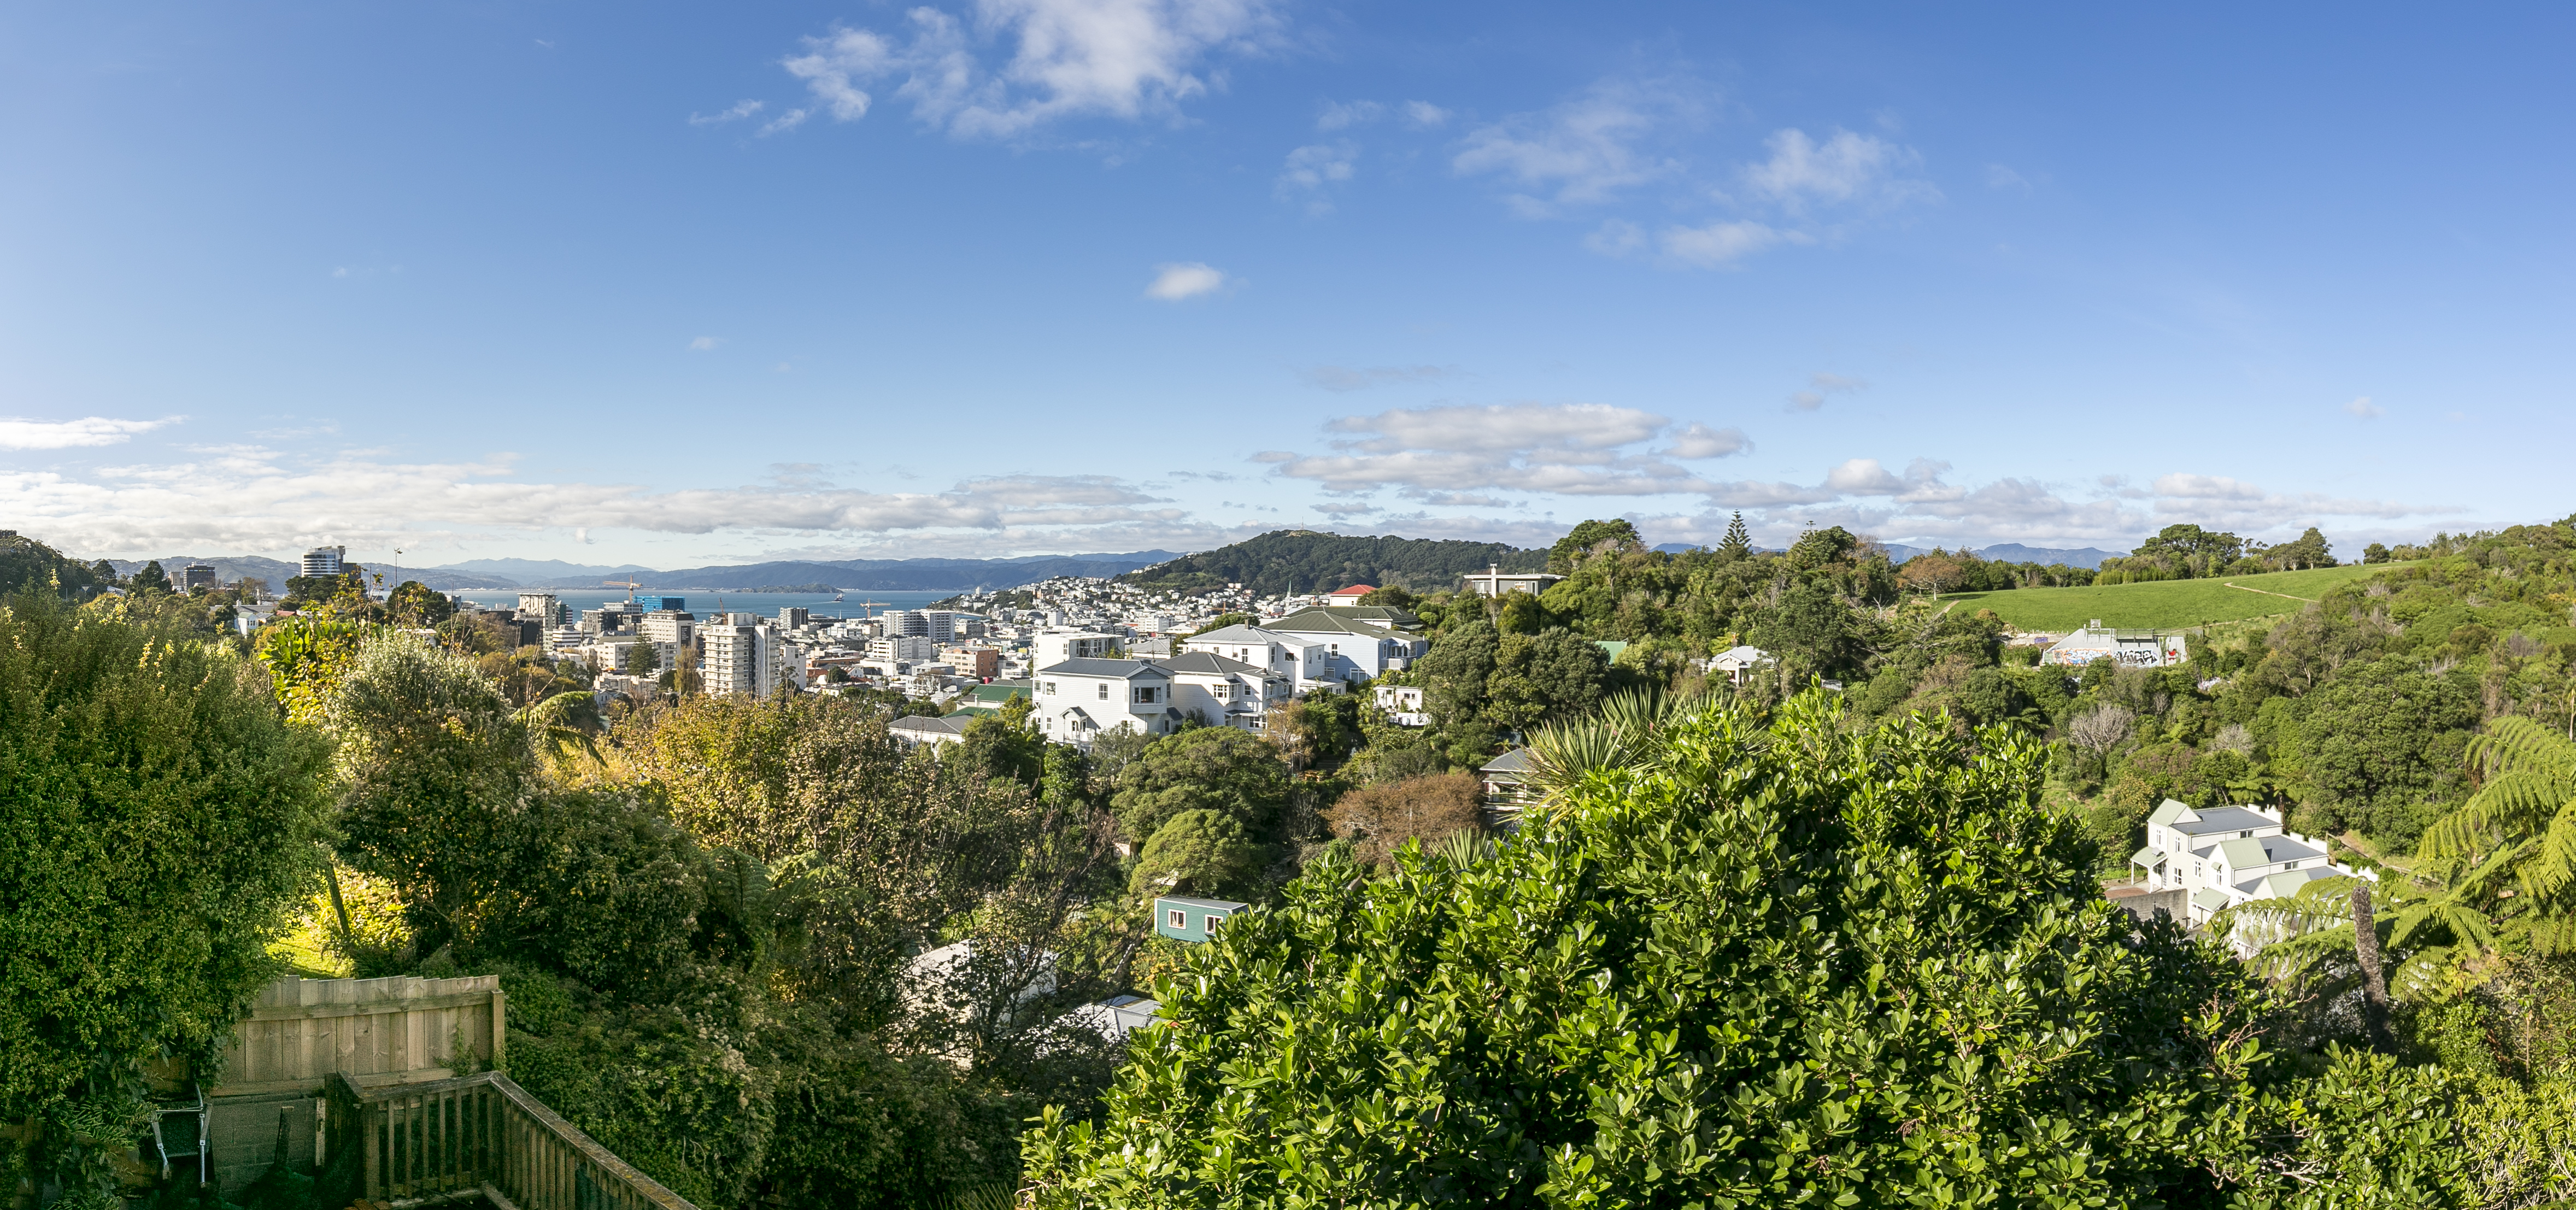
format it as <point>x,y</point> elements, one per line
<point>1350,595</point>
<point>913,731</point>
<point>2226,856</point>
<point>1508,789</point>
<point>1738,662</point>
<point>1057,646</point>
<point>1079,700</point>
<point>1224,693</point>
<point>1403,705</point>
<point>1355,649</point>
<point>989,698</point>
<point>1117,1016</point>
<point>1280,652</point>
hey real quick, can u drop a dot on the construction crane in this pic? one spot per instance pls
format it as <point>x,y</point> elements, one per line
<point>629,584</point>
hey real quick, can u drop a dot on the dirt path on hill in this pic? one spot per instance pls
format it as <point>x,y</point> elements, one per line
<point>2269,593</point>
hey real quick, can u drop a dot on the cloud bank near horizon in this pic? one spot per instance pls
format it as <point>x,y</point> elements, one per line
<point>1518,472</point>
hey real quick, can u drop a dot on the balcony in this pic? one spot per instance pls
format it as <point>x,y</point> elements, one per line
<point>480,1139</point>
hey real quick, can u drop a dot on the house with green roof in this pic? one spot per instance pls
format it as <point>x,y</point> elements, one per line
<point>2231,855</point>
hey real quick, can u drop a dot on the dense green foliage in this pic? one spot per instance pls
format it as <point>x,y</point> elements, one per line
<point>157,822</point>
<point>1771,962</point>
<point>28,564</point>
<point>1299,560</point>
<point>1777,966</point>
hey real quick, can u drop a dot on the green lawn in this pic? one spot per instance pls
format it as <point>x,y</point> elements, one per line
<point>2164,604</point>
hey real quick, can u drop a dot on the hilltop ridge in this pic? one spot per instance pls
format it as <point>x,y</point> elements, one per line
<point>1303,560</point>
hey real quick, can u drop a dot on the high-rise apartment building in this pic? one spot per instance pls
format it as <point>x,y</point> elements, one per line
<point>196,576</point>
<point>740,659</point>
<point>325,560</point>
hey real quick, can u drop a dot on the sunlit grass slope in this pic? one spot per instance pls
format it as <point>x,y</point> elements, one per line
<point>2164,603</point>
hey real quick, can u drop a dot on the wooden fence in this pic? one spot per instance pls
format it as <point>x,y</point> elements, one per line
<point>374,1030</point>
<point>444,1141</point>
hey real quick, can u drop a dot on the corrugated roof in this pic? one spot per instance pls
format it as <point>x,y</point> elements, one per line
<point>2168,811</point>
<point>1205,663</point>
<point>2148,857</point>
<point>1240,634</point>
<point>1186,901</point>
<point>1317,621</point>
<point>2241,854</point>
<point>2223,819</point>
<point>1514,761</point>
<point>919,722</point>
<point>1127,670</point>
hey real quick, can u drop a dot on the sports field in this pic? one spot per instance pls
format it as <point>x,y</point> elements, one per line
<point>2163,604</point>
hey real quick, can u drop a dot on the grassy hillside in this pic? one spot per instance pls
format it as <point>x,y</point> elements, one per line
<point>2165,603</point>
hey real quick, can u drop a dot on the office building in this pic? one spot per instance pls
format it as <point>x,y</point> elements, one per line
<point>196,576</point>
<point>325,560</point>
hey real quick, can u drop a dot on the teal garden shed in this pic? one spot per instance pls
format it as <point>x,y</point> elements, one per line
<point>1184,919</point>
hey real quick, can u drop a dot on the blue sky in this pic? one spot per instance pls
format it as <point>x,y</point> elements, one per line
<point>690,284</point>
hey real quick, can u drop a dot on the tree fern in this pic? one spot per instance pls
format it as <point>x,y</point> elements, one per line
<point>2525,814</point>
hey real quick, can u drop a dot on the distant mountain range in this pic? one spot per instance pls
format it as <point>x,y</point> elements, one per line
<point>860,575</point>
<point>229,568</point>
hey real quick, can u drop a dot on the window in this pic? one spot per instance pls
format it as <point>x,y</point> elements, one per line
<point>1050,688</point>
<point>1104,692</point>
<point>1178,918</point>
<point>1210,921</point>
<point>2247,834</point>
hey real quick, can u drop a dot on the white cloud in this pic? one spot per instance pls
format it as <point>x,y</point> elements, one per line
<point>705,343</point>
<point>1846,167</point>
<point>1345,378</point>
<point>785,122</point>
<point>1820,386</point>
<point>1123,59</point>
<point>1578,449</point>
<point>2000,177</point>
<point>1617,238</point>
<point>1338,115</point>
<point>2365,409</point>
<point>739,111</point>
<point>249,498</point>
<point>1584,150</point>
<point>1186,279</point>
<point>1423,115</point>
<point>1720,245</point>
<point>72,434</point>
<point>1310,170</point>
<point>1700,441</point>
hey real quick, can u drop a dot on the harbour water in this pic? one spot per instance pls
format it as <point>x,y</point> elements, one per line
<point>767,604</point>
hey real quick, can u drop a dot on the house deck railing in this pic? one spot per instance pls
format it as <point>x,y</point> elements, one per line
<point>451,1141</point>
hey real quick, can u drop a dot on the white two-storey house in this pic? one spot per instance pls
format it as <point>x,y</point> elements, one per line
<point>2225,856</point>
